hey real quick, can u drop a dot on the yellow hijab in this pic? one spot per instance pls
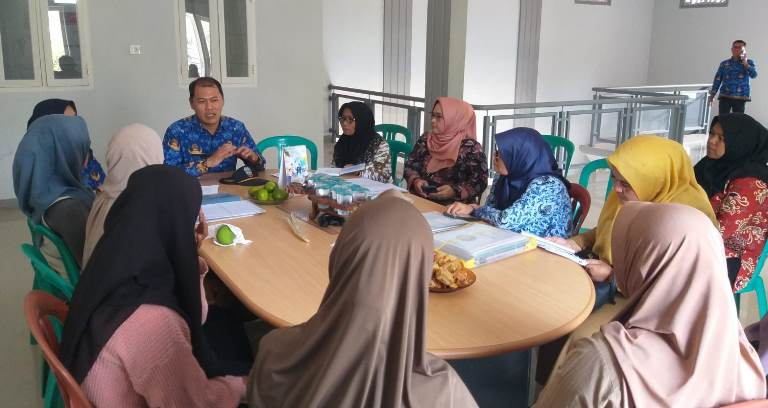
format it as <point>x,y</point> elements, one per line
<point>660,171</point>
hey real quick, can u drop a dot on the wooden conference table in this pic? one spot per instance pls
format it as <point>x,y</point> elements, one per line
<point>517,303</point>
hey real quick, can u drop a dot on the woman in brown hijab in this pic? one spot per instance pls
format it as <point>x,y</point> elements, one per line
<point>365,346</point>
<point>679,341</point>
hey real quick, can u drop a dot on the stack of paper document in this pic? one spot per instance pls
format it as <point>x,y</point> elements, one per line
<point>338,171</point>
<point>439,222</point>
<point>374,186</point>
<point>482,243</point>
<point>556,249</point>
<point>231,209</point>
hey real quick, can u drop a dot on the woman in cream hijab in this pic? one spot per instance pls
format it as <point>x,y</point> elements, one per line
<point>131,148</point>
<point>365,346</point>
<point>644,168</point>
<point>678,342</point>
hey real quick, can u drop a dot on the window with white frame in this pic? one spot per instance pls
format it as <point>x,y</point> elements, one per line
<point>43,43</point>
<point>703,3</point>
<point>218,40</point>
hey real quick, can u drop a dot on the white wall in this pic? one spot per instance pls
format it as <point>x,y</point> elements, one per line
<point>688,45</point>
<point>584,46</point>
<point>353,41</point>
<point>291,96</point>
<point>491,56</point>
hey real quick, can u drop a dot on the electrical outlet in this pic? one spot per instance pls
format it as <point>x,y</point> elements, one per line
<point>134,49</point>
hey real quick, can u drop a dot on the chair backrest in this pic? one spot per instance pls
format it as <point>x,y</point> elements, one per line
<point>580,202</point>
<point>390,131</point>
<point>279,142</point>
<point>45,277</point>
<point>557,143</point>
<point>70,265</point>
<point>395,148</point>
<point>39,309</point>
<point>590,168</point>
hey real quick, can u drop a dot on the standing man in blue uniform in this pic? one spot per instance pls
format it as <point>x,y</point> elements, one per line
<point>207,141</point>
<point>732,79</point>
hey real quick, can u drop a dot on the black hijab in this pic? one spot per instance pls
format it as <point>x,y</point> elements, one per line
<point>50,107</point>
<point>361,146</point>
<point>147,255</point>
<point>746,153</point>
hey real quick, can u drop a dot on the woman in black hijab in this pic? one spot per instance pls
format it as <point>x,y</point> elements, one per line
<point>735,176</point>
<point>92,175</point>
<point>360,144</point>
<point>145,265</point>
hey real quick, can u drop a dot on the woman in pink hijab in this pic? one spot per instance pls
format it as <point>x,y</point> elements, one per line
<point>679,342</point>
<point>447,164</point>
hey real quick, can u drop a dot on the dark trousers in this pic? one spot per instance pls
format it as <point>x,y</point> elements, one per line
<point>728,105</point>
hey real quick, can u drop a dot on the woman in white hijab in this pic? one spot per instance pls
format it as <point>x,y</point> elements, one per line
<point>131,148</point>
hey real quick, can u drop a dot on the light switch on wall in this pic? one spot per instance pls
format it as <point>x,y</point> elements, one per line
<point>134,49</point>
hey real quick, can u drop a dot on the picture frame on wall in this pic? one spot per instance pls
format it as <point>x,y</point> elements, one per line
<point>594,2</point>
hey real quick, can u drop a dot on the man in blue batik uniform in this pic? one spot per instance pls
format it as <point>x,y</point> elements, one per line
<point>732,80</point>
<point>207,141</point>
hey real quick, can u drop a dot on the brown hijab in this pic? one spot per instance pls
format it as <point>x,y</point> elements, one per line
<point>459,118</point>
<point>365,346</point>
<point>679,342</point>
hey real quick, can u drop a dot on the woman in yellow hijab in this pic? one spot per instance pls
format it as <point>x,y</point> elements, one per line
<point>644,168</point>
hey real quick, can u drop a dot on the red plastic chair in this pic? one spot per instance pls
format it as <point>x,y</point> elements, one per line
<point>39,307</point>
<point>580,202</point>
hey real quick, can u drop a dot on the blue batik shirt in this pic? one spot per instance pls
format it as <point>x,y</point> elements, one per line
<point>732,79</point>
<point>544,209</point>
<point>187,144</point>
<point>93,176</point>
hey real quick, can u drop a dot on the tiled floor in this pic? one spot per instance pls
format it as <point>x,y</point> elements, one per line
<point>19,367</point>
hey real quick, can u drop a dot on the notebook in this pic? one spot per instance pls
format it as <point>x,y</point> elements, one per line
<point>219,198</point>
<point>439,222</point>
<point>231,209</point>
<point>556,248</point>
<point>374,186</point>
<point>480,244</point>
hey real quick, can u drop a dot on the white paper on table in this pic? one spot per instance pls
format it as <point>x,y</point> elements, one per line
<point>439,222</point>
<point>373,186</point>
<point>231,209</point>
<point>208,190</point>
<point>340,171</point>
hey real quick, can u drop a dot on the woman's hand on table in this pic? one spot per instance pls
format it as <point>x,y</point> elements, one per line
<point>417,185</point>
<point>598,270</point>
<point>568,243</point>
<point>461,209</point>
<point>444,192</point>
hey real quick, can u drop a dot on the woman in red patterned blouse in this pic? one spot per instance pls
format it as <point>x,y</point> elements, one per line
<point>735,177</point>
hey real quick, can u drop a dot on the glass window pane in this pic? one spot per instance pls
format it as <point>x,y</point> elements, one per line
<point>16,40</point>
<point>64,33</point>
<point>236,38</point>
<point>198,29</point>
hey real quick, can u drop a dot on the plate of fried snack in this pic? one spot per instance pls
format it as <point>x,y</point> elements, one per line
<point>449,274</point>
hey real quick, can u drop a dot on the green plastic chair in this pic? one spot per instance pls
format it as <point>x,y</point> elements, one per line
<point>390,131</point>
<point>70,265</point>
<point>557,142</point>
<point>756,285</point>
<point>395,148</point>
<point>590,168</point>
<point>279,142</point>
<point>46,278</point>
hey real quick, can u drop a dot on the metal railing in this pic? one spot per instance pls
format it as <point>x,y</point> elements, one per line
<point>632,107</point>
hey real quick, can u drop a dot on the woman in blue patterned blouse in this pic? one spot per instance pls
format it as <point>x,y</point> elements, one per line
<point>528,193</point>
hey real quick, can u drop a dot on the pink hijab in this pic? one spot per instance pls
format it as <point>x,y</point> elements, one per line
<point>459,118</point>
<point>679,342</point>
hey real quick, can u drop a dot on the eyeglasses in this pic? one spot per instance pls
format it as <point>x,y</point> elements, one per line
<point>346,119</point>
<point>436,115</point>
